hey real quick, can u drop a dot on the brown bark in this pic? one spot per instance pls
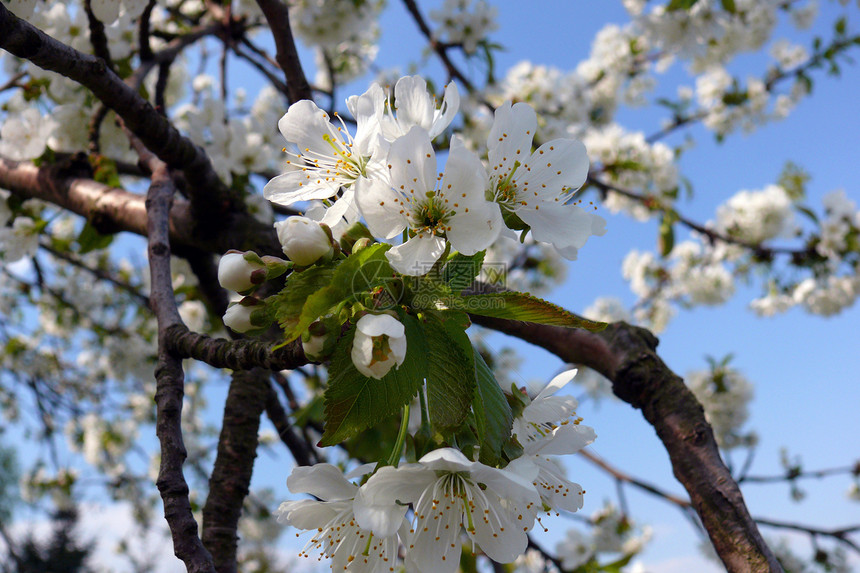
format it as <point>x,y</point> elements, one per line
<point>170,385</point>
<point>112,210</point>
<point>234,464</point>
<point>278,17</point>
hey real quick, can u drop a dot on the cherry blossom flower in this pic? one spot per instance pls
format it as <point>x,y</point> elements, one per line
<point>455,210</point>
<point>534,190</point>
<point>337,534</point>
<point>328,157</point>
<point>545,426</point>
<point>379,344</point>
<point>449,493</point>
<point>23,136</point>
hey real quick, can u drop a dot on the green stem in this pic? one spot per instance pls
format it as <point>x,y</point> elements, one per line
<point>394,458</point>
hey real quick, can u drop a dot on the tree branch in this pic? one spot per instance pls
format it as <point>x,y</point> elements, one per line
<point>300,449</point>
<point>112,210</point>
<point>170,384</point>
<point>626,355</point>
<point>278,17</point>
<point>234,464</point>
<point>216,201</point>
<point>233,354</point>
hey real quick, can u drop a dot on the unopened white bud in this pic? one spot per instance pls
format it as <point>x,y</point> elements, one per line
<point>238,274</point>
<point>238,315</point>
<point>304,241</point>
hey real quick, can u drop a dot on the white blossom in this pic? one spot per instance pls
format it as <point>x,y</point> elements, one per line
<point>237,274</point>
<point>449,493</point>
<point>465,22</point>
<point>451,208</point>
<point>336,532</point>
<point>327,156</point>
<point>379,344</point>
<point>24,135</point>
<point>537,188</point>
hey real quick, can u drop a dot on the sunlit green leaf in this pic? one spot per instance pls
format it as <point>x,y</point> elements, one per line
<point>525,307</point>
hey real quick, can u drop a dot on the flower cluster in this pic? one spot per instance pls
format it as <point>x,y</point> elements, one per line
<point>430,506</point>
<point>725,395</point>
<point>387,173</point>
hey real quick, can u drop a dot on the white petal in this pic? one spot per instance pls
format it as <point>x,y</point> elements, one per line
<point>379,324</point>
<point>476,230</point>
<point>413,163</point>
<point>446,459</point>
<point>560,225</point>
<point>556,384</point>
<point>416,256</point>
<point>308,513</point>
<point>505,484</point>
<point>324,481</point>
<point>305,125</point>
<point>550,409</point>
<point>567,439</point>
<point>477,222</point>
<point>510,138</point>
<point>405,484</point>
<point>445,115</point>
<point>379,204</point>
<point>367,110</point>
<point>437,549</point>
<point>298,185</point>
<point>382,519</point>
<point>503,538</point>
<point>414,106</point>
<point>559,164</point>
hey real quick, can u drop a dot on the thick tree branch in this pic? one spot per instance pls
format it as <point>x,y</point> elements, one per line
<point>278,17</point>
<point>112,210</point>
<point>170,384</point>
<point>626,355</point>
<point>234,464</point>
<point>233,354</point>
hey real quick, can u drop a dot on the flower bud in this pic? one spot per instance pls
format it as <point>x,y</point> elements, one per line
<point>319,340</point>
<point>239,315</point>
<point>304,241</point>
<point>238,274</point>
<point>379,344</point>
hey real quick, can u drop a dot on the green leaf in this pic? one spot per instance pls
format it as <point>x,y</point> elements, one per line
<point>91,240</point>
<point>461,270</point>
<point>288,304</point>
<point>358,274</point>
<point>674,5</point>
<point>808,212</point>
<point>450,372</point>
<point>729,6</point>
<point>493,417</point>
<point>666,236</point>
<point>354,402</point>
<point>525,307</point>
<point>840,26</point>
